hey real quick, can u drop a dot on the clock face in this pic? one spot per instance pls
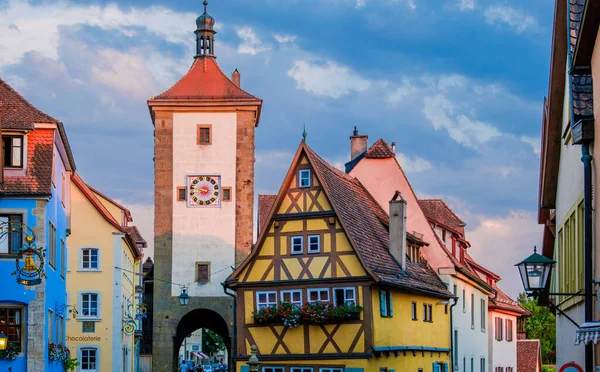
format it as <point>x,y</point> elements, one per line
<point>204,191</point>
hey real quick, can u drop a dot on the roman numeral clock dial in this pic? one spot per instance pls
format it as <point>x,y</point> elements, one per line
<point>204,191</point>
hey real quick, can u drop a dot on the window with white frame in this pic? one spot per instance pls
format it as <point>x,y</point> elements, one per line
<point>90,259</point>
<point>52,244</point>
<point>319,294</point>
<point>331,370</point>
<point>11,324</point>
<point>498,330</point>
<point>482,365</point>
<point>88,359</point>
<point>472,311</point>
<point>483,315</point>
<point>509,330</point>
<point>427,310</point>
<point>265,299</point>
<point>301,369</point>
<point>314,243</point>
<point>89,304</point>
<point>344,296</point>
<point>297,246</point>
<point>13,242</point>
<point>13,151</point>
<point>273,369</point>
<point>293,296</point>
<point>413,310</point>
<point>304,178</point>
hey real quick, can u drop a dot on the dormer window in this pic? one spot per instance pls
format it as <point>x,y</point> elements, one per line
<point>13,151</point>
<point>444,235</point>
<point>304,178</point>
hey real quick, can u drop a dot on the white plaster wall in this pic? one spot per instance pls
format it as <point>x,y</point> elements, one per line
<point>472,343</point>
<point>504,353</point>
<point>204,233</point>
<point>569,189</point>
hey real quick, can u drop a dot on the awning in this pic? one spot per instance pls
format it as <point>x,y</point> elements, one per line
<point>588,332</point>
<point>200,354</point>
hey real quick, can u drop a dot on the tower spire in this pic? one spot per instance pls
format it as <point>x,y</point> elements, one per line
<point>304,134</point>
<point>205,34</point>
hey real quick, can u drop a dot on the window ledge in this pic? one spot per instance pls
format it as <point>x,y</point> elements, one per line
<point>89,271</point>
<point>88,319</point>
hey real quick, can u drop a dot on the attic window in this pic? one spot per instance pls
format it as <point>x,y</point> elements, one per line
<point>13,151</point>
<point>304,178</point>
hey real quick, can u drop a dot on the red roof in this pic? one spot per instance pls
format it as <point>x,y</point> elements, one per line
<point>381,150</point>
<point>529,356</point>
<point>205,81</point>
<point>436,210</point>
<point>17,112</point>
<point>37,179</point>
<point>265,203</point>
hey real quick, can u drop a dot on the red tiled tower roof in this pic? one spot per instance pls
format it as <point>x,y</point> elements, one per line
<point>205,81</point>
<point>17,112</point>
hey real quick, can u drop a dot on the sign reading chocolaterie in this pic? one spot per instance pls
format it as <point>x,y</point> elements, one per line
<point>84,338</point>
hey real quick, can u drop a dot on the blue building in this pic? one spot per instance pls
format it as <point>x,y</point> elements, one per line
<point>36,164</point>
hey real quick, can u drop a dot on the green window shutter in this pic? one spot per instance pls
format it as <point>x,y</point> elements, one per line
<point>391,304</point>
<point>436,367</point>
<point>382,303</point>
<point>446,367</point>
<point>244,369</point>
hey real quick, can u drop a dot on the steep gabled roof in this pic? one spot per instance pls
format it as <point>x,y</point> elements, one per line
<point>205,81</point>
<point>17,112</point>
<point>436,210</point>
<point>126,212</point>
<point>93,199</point>
<point>136,235</point>
<point>265,203</point>
<point>529,356</point>
<point>380,149</point>
<point>365,224</point>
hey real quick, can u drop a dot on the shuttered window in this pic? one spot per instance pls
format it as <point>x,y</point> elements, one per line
<point>570,255</point>
<point>385,303</point>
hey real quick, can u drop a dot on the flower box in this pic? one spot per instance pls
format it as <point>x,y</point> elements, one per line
<point>314,313</point>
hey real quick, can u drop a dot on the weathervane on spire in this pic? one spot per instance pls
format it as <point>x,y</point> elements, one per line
<point>304,134</point>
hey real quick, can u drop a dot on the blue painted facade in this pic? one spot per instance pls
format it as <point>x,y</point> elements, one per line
<point>37,215</point>
<point>54,292</point>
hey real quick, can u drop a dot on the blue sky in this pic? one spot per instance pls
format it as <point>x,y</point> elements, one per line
<point>457,84</point>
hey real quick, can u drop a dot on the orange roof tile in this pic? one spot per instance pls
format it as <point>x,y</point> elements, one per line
<point>205,81</point>
<point>17,112</point>
<point>529,358</point>
<point>380,149</point>
<point>265,203</point>
<point>438,211</point>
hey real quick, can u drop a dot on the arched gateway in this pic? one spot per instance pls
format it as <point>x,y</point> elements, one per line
<point>204,197</point>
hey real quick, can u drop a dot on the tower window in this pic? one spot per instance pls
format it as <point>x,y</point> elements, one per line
<point>226,193</point>
<point>204,134</point>
<point>304,178</point>
<point>181,193</point>
<point>202,271</point>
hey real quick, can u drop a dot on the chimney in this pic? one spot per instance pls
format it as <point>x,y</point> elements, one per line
<point>235,77</point>
<point>358,144</point>
<point>394,147</point>
<point>398,229</point>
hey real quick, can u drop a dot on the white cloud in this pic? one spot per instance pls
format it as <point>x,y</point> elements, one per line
<point>405,90</point>
<point>535,142</point>
<point>517,19</point>
<point>251,44</point>
<point>413,164</point>
<point>443,114</point>
<point>327,79</point>
<point>498,243</point>
<point>411,4</point>
<point>123,72</point>
<point>284,39</point>
<point>466,5</point>
<point>360,3</point>
<point>22,33</point>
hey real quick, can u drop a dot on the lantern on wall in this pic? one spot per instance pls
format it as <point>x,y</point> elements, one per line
<point>535,272</point>
<point>184,298</point>
<point>3,341</point>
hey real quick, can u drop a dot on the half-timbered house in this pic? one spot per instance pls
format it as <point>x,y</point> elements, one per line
<point>333,284</point>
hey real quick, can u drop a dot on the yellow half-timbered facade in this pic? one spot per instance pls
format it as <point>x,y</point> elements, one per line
<point>334,284</point>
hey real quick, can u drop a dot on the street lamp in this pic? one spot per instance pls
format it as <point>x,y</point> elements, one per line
<point>3,342</point>
<point>535,271</point>
<point>184,298</point>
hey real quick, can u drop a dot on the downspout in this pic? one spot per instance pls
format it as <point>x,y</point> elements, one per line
<point>588,256</point>
<point>233,347</point>
<point>452,334</point>
<point>588,281</point>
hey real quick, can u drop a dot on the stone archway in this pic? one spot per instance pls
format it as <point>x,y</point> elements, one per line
<point>201,318</point>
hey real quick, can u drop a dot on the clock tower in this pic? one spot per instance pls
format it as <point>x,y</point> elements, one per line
<point>204,197</point>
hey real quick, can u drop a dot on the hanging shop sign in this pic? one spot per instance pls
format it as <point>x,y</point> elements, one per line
<point>29,261</point>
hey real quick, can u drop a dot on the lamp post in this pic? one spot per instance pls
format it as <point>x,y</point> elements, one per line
<point>184,298</point>
<point>3,342</point>
<point>535,271</point>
